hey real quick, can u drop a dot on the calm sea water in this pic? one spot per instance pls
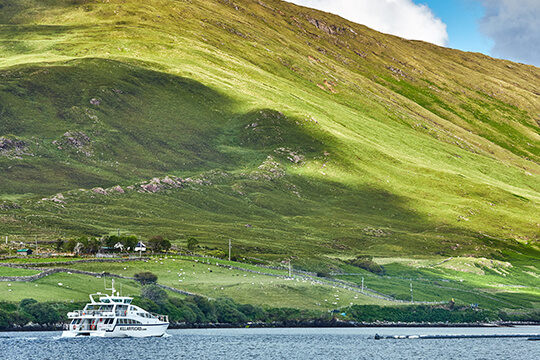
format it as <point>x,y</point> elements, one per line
<point>310,343</point>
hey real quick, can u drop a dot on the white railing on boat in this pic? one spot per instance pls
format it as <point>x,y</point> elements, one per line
<point>105,314</point>
<point>163,318</point>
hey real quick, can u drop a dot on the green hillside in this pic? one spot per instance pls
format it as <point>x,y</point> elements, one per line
<point>290,131</point>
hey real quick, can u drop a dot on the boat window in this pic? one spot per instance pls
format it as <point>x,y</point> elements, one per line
<point>127,301</point>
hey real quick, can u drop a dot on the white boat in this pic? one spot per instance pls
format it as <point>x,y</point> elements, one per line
<point>114,316</point>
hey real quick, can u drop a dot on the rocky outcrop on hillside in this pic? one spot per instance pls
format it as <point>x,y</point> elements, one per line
<point>75,140</point>
<point>13,148</point>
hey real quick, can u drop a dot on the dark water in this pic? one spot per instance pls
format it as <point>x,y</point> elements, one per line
<point>312,343</point>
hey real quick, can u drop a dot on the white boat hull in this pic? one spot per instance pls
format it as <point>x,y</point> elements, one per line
<point>144,330</point>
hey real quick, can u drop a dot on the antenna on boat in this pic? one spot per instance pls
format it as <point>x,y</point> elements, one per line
<point>112,286</point>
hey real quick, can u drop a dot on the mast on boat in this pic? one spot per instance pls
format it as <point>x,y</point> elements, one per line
<point>112,286</point>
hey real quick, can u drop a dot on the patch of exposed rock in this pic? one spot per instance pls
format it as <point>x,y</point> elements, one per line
<point>9,206</point>
<point>270,169</point>
<point>292,155</point>
<point>76,140</point>
<point>327,28</point>
<point>58,198</point>
<point>13,148</point>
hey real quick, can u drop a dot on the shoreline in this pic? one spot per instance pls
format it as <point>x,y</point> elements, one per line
<point>306,324</point>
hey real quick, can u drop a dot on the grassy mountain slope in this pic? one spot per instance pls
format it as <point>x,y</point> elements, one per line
<point>291,131</point>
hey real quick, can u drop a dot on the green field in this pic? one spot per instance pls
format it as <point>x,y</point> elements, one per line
<point>433,283</point>
<point>292,132</point>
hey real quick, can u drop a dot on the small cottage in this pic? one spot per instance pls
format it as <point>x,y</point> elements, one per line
<point>24,252</point>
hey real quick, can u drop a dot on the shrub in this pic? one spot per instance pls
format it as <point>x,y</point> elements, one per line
<point>146,278</point>
<point>28,301</point>
<point>154,293</point>
<point>192,243</point>
<point>227,312</point>
<point>366,263</point>
<point>42,313</point>
<point>217,253</point>
<point>5,319</point>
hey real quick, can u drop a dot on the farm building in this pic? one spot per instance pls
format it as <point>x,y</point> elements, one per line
<point>24,252</point>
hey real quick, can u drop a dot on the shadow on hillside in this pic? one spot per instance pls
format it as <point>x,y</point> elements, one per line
<point>98,123</point>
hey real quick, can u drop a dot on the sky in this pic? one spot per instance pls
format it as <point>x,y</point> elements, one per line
<point>505,29</point>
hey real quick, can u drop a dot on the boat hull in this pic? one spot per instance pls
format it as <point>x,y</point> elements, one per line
<point>145,330</point>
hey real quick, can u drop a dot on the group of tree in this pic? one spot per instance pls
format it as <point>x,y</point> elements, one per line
<point>158,243</point>
<point>420,313</point>
<point>200,310</point>
<point>197,309</point>
<point>27,311</point>
<point>112,243</point>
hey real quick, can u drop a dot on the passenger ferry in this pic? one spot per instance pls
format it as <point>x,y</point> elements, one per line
<point>114,316</point>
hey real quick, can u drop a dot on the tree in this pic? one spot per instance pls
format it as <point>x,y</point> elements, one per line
<point>146,278</point>
<point>166,245</point>
<point>192,243</point>
<point>5,319</point>
<point>158,243</point>
<point>129,242</point>
<point>59,244</point>
<point>110,241</point>
<point>27,301</point>
<point>155,242</point>
<point>228,313</point>
<point>93,246</point>
<point>43,313</point>
<point>154,293</point>
<point>69,246</point>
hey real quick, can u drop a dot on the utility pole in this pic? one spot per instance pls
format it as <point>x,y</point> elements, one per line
<point>118,232</point>
<point>290,269</point>
<point>36,245</point>
<point>230,246</point>
<point>6,239</point>
<point>362,284</point>
<point>412,299</point>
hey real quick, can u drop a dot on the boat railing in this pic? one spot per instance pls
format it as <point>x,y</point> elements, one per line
<point>107,313</point>
<point>163,318</point>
